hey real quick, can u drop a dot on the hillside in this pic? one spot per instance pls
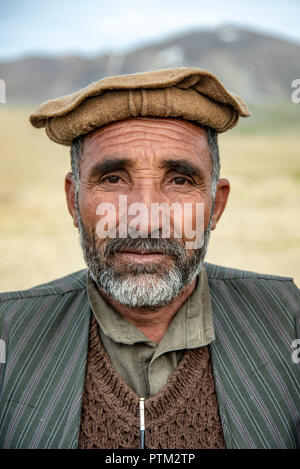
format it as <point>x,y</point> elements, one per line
<point>258,67</point>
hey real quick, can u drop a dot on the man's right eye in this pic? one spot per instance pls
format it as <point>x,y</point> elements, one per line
<point>112,179</point>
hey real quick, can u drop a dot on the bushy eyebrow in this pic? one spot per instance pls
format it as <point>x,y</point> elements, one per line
<point>181,166</point>
<point>184,167</point>
<point>108,166</point>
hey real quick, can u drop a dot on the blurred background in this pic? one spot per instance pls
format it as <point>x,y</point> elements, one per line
<point>53,48</point>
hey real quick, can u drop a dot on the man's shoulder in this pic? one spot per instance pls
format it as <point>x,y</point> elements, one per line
<point>220,272</point>
<point>73,282</point>
<point>273,290</point>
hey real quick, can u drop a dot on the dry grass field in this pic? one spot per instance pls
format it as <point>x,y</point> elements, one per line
<point>260,229</point>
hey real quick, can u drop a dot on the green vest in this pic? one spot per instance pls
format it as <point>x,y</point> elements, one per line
<point>257,377</point>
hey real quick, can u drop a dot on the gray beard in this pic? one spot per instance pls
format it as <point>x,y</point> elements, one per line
<point>141,286</point>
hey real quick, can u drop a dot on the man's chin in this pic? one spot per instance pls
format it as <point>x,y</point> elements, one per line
<point>141,275</point>
<point>140,269</point>
<point>140,289</point>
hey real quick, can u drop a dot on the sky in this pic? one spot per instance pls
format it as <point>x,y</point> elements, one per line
<point>90,27</point>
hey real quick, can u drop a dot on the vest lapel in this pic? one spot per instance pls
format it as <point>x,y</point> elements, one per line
<point>71,427</point>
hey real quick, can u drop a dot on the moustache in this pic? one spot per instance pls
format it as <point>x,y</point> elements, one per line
<point>168,246</point>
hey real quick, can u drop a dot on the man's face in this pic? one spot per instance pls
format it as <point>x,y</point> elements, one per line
<point>149,161</point>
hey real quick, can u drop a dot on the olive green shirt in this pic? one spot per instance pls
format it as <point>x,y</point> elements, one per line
<point>144,365</point>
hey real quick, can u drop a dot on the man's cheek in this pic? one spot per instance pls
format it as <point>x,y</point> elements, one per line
<point>106,221</point>
<point>193,225</point>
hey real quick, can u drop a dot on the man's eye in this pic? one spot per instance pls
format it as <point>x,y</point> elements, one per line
<point>180,181</point>
<point>112,179</point>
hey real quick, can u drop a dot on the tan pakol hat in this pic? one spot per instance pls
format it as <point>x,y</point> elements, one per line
<point>190,93</point>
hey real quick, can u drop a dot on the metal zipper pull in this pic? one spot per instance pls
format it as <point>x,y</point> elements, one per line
<point>142,423</point>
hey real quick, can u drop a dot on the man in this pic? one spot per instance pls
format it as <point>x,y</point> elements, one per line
<point>209,348</point>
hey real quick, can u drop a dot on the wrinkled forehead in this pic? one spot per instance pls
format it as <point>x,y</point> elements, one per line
<point>161,135</point>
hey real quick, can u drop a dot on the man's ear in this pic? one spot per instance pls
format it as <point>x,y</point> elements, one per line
<point>70,195</point>
<point>223,189</point>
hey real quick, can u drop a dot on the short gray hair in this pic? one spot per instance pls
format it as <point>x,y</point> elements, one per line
<point>212,139</point>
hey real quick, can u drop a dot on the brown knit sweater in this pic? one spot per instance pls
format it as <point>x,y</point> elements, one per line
<point>183,415</point>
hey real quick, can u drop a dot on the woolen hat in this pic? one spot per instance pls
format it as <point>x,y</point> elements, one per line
<point>189,93</point>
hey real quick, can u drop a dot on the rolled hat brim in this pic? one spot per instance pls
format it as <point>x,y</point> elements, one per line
<point>188,93</point>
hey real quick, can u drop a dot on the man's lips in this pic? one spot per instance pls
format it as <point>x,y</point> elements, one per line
<point>140,251</point>
<point>141,255</point>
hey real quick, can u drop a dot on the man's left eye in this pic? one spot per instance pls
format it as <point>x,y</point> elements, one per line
<point>180,181</point>
<point>112,179</point>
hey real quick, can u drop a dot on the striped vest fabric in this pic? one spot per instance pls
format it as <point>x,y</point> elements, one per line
<point>42,369</point>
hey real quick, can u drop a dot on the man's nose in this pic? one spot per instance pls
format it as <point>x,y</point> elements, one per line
<point>141,210</point>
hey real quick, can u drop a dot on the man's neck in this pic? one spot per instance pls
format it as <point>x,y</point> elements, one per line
<point>152,322</point>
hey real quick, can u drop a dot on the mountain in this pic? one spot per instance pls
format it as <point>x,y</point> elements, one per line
<point>259,67</point>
